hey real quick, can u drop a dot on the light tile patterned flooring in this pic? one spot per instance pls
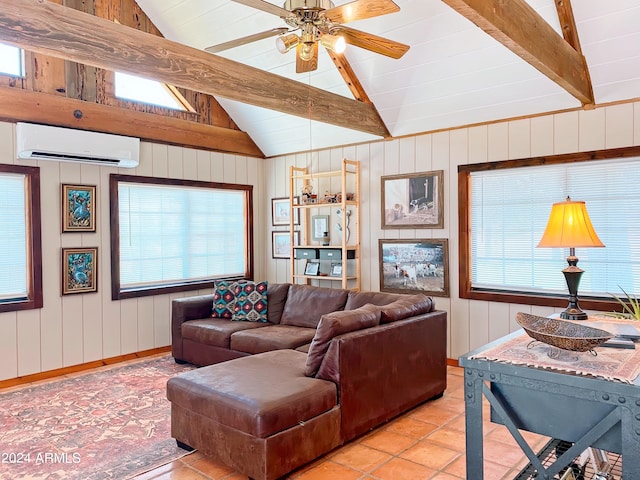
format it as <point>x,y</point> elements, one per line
<point>427,442</point>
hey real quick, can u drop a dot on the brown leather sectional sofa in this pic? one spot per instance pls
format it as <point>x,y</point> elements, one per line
<point>329,365</point>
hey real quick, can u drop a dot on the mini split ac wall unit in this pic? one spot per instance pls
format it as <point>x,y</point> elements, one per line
<point>41,142</point>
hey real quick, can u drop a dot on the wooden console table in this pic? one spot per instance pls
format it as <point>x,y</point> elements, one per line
<point>583,410</point>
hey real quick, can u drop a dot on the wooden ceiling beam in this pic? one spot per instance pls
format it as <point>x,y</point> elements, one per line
<point>44,27</point>
<point>523,31</point>
<point>17,105</point>
<point>349,76</point>
<point>352,81</point>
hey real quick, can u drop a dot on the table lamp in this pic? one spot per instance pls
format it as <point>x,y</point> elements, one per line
<point>569,226</point>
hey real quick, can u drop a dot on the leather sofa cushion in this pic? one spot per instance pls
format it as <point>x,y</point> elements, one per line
<point>306,304</point>
<point>276,297</point>
<point>273,337</point>
<point>304,348</point>
<point>408,306</point>
<point>215,331</point>
<point>260,394</point>
<point>358,299</point>
<point>334,324</point>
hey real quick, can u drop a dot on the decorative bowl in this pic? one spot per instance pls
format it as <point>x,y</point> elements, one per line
<point>562,334</point>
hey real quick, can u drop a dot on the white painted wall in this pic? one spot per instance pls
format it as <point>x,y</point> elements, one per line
<point>76,329</point>
<point>471,323</point>
<point>81,328</point>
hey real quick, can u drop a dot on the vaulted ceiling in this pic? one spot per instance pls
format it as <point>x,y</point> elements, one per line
<point>470,61</point>
<point>454,74</point>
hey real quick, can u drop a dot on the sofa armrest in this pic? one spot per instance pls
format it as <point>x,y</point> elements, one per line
<point>182,310</point>
<point>386,370</point>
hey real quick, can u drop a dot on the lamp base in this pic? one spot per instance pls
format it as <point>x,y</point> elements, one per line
<point>572,276</point>
<point>571,313</point>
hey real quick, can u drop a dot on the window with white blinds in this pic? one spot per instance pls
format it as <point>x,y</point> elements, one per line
<point>20,238</point>
<point>171,235</point>
<point>509,212</point>
<point>13,241</point>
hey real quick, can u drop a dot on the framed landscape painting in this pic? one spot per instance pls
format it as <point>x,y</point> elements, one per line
<point>413,200</point>
<point>414,266</point>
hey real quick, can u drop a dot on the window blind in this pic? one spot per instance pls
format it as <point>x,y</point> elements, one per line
<point>509,212</point>
<point>13,241</point>
<point>171,234</point>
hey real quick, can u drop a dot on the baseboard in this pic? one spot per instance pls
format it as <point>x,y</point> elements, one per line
<point>452,362</point>
<point>12,382</point>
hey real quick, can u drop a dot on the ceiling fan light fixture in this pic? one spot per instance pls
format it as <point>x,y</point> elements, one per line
<point>335,43</point>
<point>284,43</point>
<point>306,52</point>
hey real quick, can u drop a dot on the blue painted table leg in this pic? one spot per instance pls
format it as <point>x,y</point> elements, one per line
<point>473,424</point>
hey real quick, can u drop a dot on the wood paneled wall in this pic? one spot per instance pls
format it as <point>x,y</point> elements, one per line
<point>471,323</point>
<point>82,328</point>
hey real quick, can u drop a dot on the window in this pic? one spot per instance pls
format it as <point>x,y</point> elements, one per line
<point>20,244</point>
<point>508,208</point>
<point>11,61</point>
<point>130,87</point>
<point>175,235</point>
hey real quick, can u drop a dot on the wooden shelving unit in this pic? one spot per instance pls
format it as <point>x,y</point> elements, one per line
<point>347,250</point>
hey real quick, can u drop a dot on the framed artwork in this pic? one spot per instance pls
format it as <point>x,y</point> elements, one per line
<point>412,266</point>
<point>281,243</point>
<point>79,270</point>
<point>319,225</point>
<point>78,208</point>
<point>336,270</point>
<point>413,200</point>
<point>312,268</point>
<point>280,209</point>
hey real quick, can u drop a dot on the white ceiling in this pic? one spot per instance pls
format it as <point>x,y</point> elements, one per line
<point>453,75</point>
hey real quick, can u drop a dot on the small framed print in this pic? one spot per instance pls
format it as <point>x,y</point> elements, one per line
<point>336,270</point>
<point>78,208</point>
<point>280,208</point>
<point>319,226</point>
<point>312,268</point>
<point>281,243</point>
<point>79,270</point>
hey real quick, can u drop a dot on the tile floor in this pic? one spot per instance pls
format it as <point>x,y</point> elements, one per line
<point>427,442</point>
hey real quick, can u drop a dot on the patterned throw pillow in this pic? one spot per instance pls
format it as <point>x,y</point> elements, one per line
<point>251,302</point>
<point>224,300</point>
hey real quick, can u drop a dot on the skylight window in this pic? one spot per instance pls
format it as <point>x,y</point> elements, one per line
<point>138,89</point>
<point>11,61</point>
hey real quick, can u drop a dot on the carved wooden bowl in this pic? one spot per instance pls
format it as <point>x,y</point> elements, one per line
<point>562,334</point>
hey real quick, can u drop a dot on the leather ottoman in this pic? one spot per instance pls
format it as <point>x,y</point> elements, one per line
<point>259,414</point>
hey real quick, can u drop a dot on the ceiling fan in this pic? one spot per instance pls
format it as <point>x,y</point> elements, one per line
<point>320,21</point>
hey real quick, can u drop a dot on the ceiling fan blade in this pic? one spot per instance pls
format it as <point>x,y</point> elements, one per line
<point>360,9</point>
<point>248,39</point>
<point>371,42</point>
<point>306,65</point>
<point>265,7</point>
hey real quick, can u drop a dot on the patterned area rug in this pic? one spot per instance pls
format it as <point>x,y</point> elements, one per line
<point>110,424</point>
<point>617,364</point>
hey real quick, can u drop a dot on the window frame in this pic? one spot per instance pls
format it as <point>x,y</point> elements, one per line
<point>34,298</point>
<point>466,290</point>
<point>117,293</point>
